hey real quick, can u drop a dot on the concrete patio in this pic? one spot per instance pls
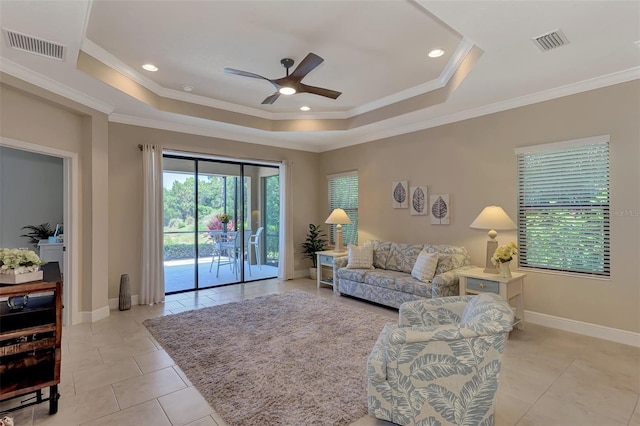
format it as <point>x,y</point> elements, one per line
<point>179,274</point>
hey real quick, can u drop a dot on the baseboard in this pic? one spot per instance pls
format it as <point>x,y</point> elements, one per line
<point>97,315</point>
<point>592,330</point>
<point>115,303</point>
<point>304,273</point>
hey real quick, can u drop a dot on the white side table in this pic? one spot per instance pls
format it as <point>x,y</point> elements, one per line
<point>476,281</point>
<point>326,260</point>
<point>52,252</point>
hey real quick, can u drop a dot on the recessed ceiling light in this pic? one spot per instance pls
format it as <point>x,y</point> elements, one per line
<point>436,53</point>
<point>150,67</point>
<point>287,90</point>
<point>187,88</point>
<point>305,108</point>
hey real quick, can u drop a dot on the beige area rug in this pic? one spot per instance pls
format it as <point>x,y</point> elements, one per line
<point>286,359</point>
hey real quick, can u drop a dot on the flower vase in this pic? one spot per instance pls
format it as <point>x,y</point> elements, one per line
<point>505,269</point>
<point>224,227</point>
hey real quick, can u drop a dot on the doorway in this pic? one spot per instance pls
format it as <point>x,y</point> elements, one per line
<point>220,219</point>
<point>71,213</point>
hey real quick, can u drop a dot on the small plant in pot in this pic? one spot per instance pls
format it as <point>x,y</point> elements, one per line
<point>315,242</point>
<point>38,232</point>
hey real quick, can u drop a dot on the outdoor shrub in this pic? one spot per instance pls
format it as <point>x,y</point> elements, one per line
<point>186,251</point>
<point>176,222</point>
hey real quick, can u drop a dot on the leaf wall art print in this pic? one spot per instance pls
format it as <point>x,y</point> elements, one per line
<point>418,198</point>
<point>400,195</point>
<point>440,209</point>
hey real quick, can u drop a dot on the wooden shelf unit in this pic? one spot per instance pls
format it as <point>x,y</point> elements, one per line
<point>30,342</point>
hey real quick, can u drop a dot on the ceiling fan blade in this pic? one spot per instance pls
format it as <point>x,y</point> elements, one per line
<point>271,98</point>
<point>319,91</point>
<point>244,73</point>
<point>307,65</point>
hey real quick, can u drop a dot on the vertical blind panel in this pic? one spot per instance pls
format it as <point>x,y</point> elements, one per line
<point>343,194</point>
<point>563,209</point>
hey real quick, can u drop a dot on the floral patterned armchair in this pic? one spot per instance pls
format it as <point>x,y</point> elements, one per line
<point>440,364</point>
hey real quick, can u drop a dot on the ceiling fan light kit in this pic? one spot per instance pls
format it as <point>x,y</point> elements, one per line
<point>287,91</point>
<point>291,83</point>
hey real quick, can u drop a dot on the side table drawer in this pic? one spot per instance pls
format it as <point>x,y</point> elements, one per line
<point>478,284</point>
<point>326,260</point>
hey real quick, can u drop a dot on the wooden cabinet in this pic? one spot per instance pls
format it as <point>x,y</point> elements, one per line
<point>30,341</point>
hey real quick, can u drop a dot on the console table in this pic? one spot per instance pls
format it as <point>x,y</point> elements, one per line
<point>30,338</point>
<point>476,281</point>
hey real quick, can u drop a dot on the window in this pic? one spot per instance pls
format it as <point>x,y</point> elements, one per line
<point>563,206</point>
<point>343,194</point>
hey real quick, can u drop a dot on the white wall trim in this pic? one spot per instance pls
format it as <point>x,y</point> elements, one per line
<point>115,303</point>
<point>304,273</point>
<point>53,86</point>
<point>592,330</point>
<point>97,315</point>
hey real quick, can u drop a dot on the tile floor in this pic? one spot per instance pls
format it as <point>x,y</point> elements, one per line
<point>115,373</point>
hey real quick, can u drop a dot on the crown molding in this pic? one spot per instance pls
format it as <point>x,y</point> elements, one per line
<point>386,129</point>
<point>328,141</point>
<point>102,55</point>
<point>222,131</point>
<point>322,141</point>
<point>22,73</point>
<point>463,49</point>
<point>94,50</point>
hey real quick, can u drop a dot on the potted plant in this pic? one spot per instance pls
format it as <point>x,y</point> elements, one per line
<point>315,242</point>
<point>19,266</point>
<point>38,232</point>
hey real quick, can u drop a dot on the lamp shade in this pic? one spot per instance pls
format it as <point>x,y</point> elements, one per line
<point>339,217</point>
<point>493,217</point>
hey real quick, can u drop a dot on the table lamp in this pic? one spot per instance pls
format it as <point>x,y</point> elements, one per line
<point>338,217</point>
<point>492,218</point>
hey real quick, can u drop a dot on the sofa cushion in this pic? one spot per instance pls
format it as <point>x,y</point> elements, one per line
<point>447,262</point>
<point>425,266</point>
<point>356,275</point>
<point>407,284</point>
<point>402,257</point>
<point>380,253</point>
<point>360,257</point>
<point>448,249</point>
<point>383,278</point>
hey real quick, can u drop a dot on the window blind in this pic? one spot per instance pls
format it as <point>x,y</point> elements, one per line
<point>343,194</point>
<point>563,207</point>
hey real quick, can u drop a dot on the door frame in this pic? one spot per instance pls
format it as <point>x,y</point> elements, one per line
<point>71,195</point>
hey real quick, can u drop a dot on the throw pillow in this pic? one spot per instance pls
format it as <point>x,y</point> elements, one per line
<point>447,262</point>
<point>360,257</point>
<point>425,266</point>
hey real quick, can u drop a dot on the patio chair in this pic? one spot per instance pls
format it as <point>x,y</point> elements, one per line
<point>229,244</point>
<point>254,241</point>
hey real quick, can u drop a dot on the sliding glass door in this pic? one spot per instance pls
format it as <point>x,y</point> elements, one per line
<point>216,216</point>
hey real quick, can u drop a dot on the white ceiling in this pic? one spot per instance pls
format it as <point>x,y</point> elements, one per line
<point>375,53</point>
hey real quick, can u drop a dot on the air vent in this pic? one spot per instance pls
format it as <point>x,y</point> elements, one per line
<point>550,40</point>
<point>34,45</point>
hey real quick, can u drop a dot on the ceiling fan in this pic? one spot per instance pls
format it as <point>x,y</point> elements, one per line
<point>291,83</point>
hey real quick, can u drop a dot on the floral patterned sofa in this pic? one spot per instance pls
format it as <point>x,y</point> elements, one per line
<point>391,282</point>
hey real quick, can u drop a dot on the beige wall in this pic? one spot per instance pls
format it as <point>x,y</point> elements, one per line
<point>474,162</point>
<point>34,116</point>
<point>125,189</point>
